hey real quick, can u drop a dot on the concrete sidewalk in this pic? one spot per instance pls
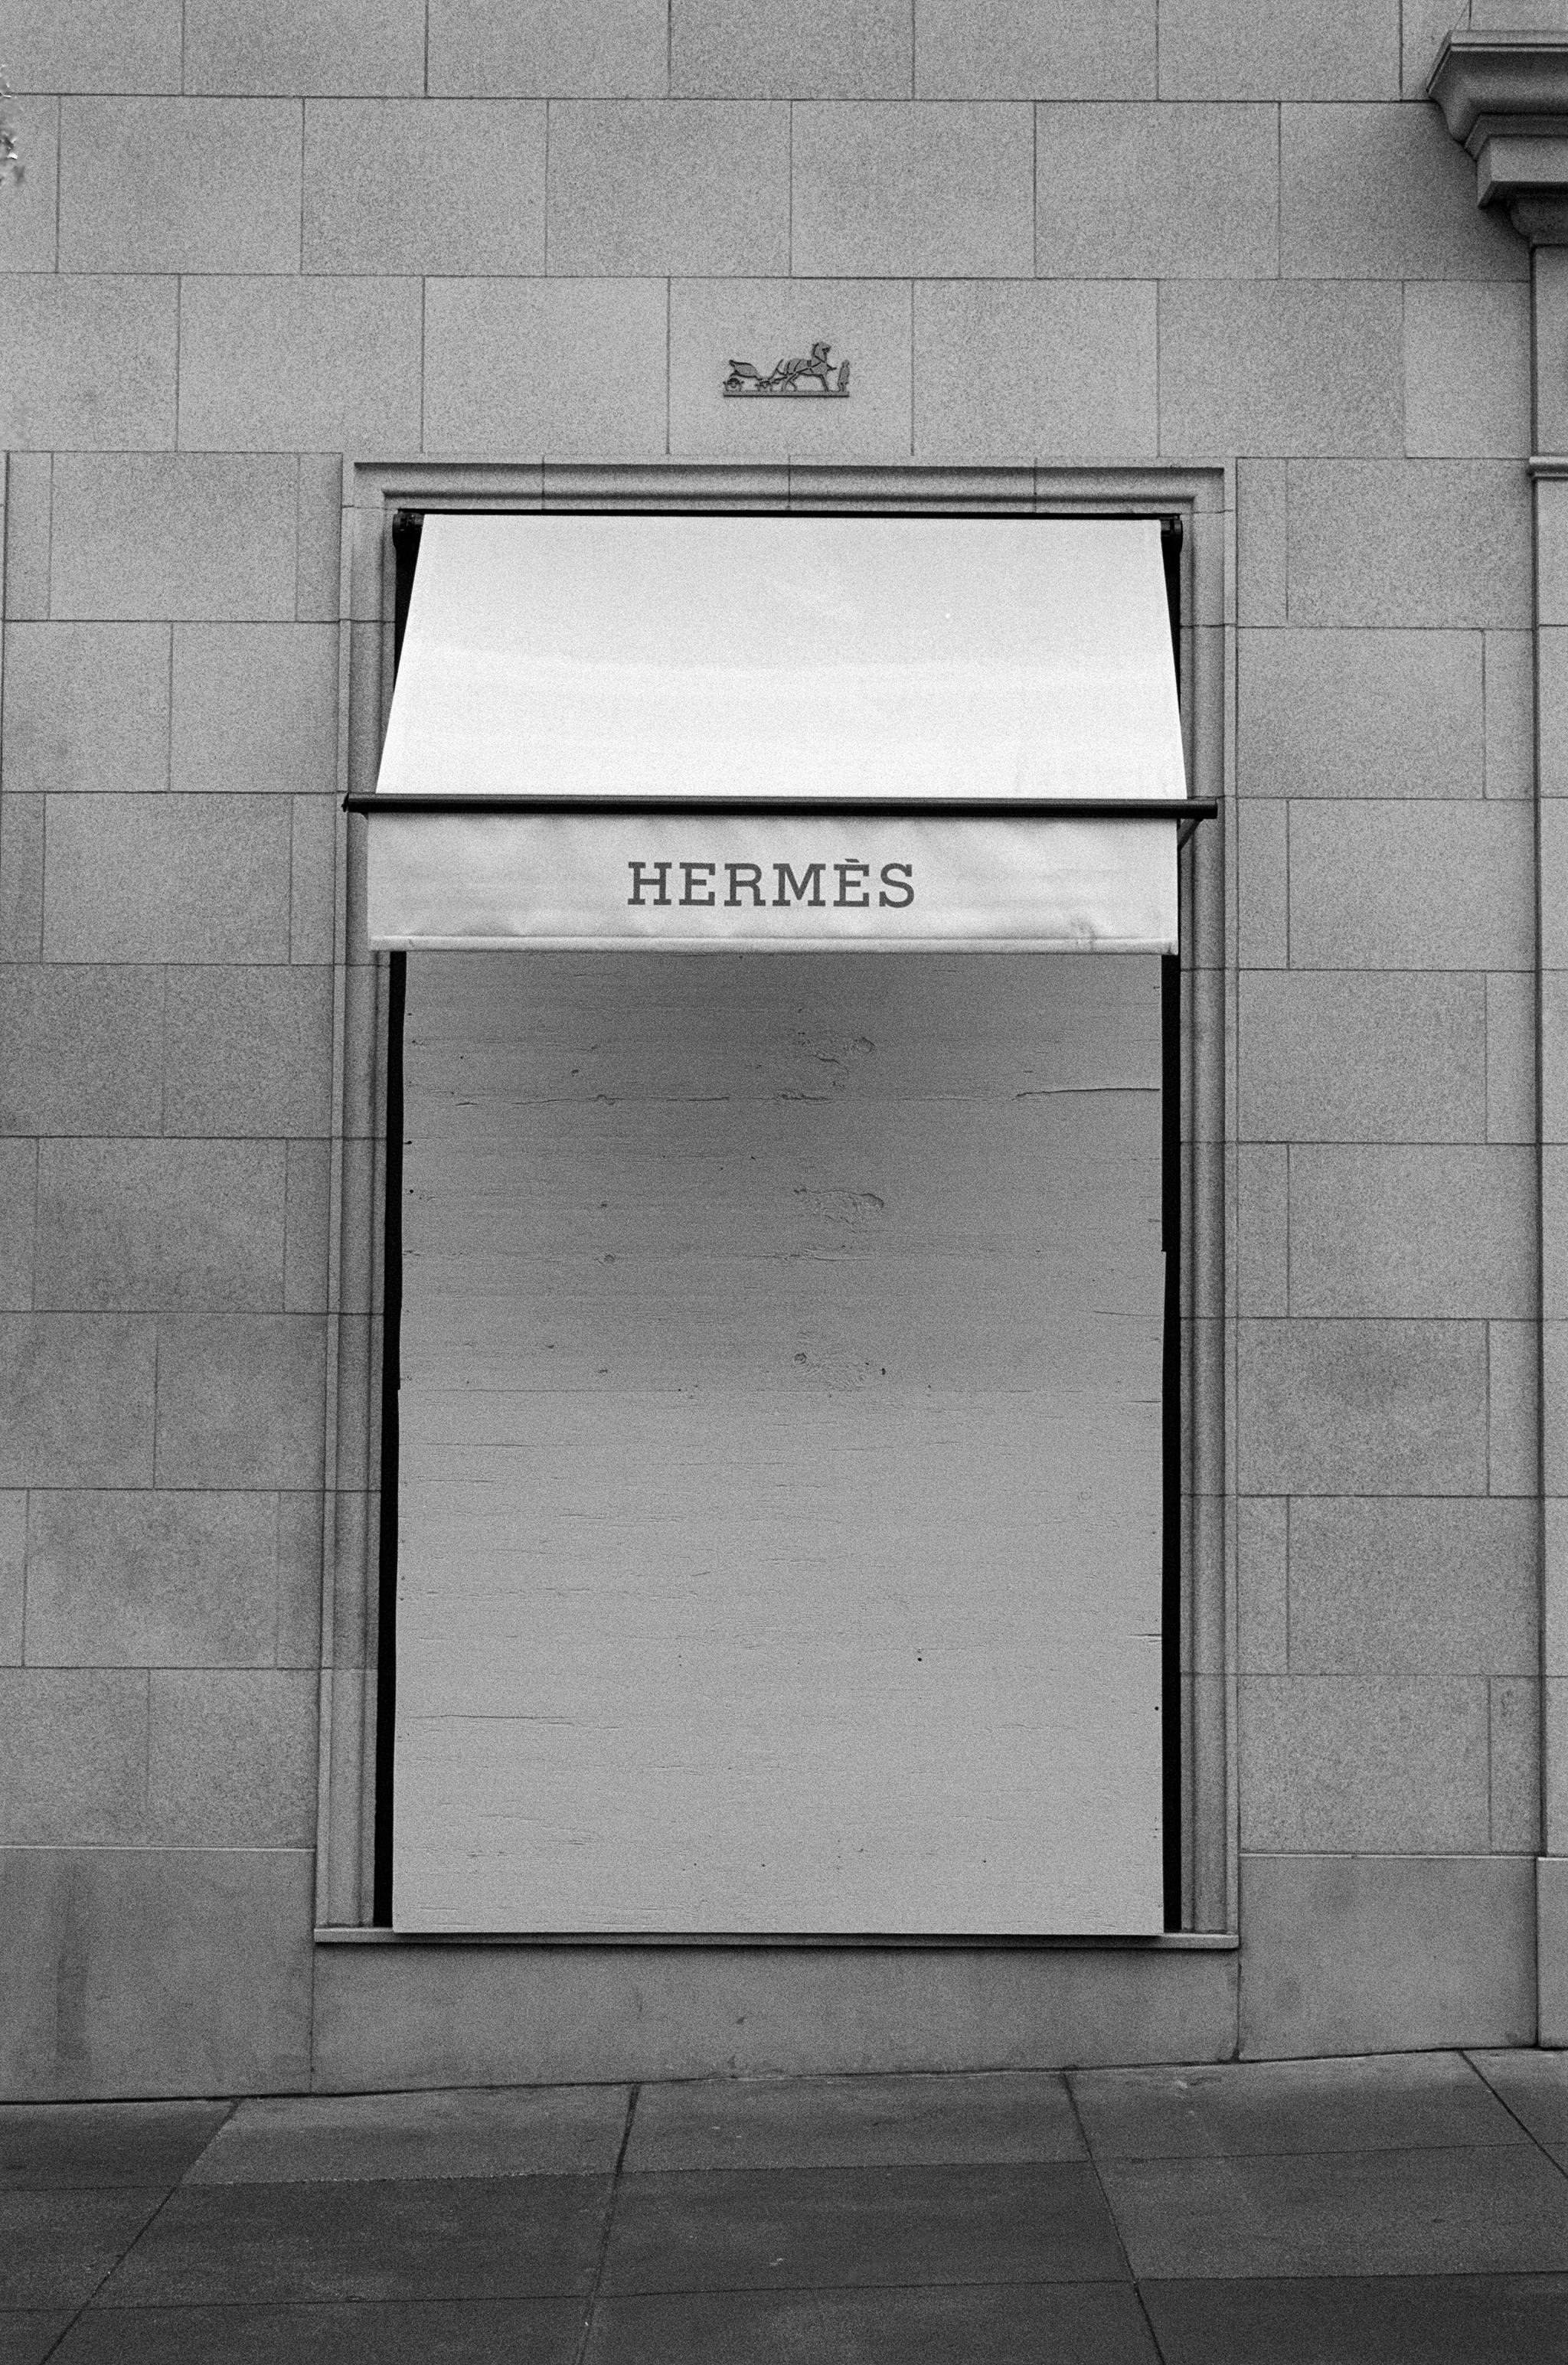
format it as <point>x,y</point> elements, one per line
<point>1412,2208</point>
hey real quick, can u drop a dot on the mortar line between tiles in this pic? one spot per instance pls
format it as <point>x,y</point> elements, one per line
<point>1106,2202</point>
<point>1477,2070</point>
<point>580,2352</point>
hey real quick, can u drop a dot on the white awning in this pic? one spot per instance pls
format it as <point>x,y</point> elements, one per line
<point>701,733</point>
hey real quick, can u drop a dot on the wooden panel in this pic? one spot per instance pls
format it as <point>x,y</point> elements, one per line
<point>781,1427</point>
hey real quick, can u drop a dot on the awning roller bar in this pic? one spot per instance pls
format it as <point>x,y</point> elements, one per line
<point>1188,810</point>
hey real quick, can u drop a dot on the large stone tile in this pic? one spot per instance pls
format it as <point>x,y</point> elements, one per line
<point>1533,2086</point>
<point>1377,1230</point>
<point>288,46</point>
<point>642,187</point>
<point>1071,2323</point>
<point>154,1970</point>
<point>90,362</point>
<point>790,49</point>
<point>1506,2319</point>
<point>1318,48</point>
<point>1381,1584</point>
<point>29,219</point>
<point>84,1050</point>
<point>851,2121</point>
<point>1260,545</point>
<point>1368,542</point>
<point>231,1757</point>
<point>1359,1058</point>
<point>458,2332</point>
<point>1482,2209</point>
<point>1361,714</point>
<point>1398,1763</point>
<point>1157,192</point>
<point>76,1400</point>
<point>1384,193</point>
<point>248,1053</point>
<point>29,2335</point>
<point>1413,884</point>
<point>144,1225</point>
<point>596,49</point>
<point>419,2238</point>
<point>912,191</point>
<point>52,2146</point>
<point>557,368</point>
<point>1233,2110</point>
<point>1070,372</point>
<point>241,1400</point>
<point>1426,24</point>
<point>437,186</point>
<point>72,1756</point>
<point>834,2227</point>
<point>1364,1407</point>
<point>174,535</point>
<point>30,493</point>
<point>166,878</point>
<point>13,1559</point>
<point>1310,366</point>
<point>1366,1954</point>
<point>1467,369</point>
<point>255,709</point>
<point>358,2138</point>
<point>300,365</point>
<point>1045,49</point>
<point>21,879</point>
<point>57,2247</point>
<point>117,45</point>
<point>1511,1000</point>
<point>179,185</point>
<point>865,322</point>
<point>86,706</point>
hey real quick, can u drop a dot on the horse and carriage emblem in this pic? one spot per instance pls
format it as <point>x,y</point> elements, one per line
<point>811,376</point>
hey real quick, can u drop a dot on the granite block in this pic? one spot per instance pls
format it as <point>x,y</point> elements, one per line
<point>241,1400</point>
<point>289,364</point>
<point>569,368</point>
<point>912,191</point>
<point>29,499</point>
<point>84,1050</point>
<point>179,185</point>
<point>231,1758</point>
<point>255,709</point>
<point>306,1239</point>
<point>295,46</point>
<point>1515,1783</point>
<point>1554,1055</point>
<point>19,1211</point>
<point>1260,542</point>
<point>1372,541</point>
<point>639,186</point>
<point>1384,193</point>
<point>1381,1586</point>
<point>1262,1227</point>
<point>506,48</point>
<point>1391,1763</point>
<point>1310,366</point>
<point>29,216</point>
<point>1412,884</point>
<point>790,49</point>
<point>155,1971</point>
<point>1467,369</point>
<point>1361,714</point>
<point>313,884</point>
<point>1408,1231</point>
<point>440,186</point>
<point>1373,1954</point>
<point>84,45</point>
<point>1513,1456</point>
<point>21,878</point>
<point>166,878</point>
<point>90,362</point>
<point>86,706</point>
<point>1337,1407</point>
<point>1510,1056</point>
<point>1510,714</point>
<point>1320,49</point>
<point>318,588</point>
<point>1034,49</point>
<point>1424,25</point>
<point>75,1400</point>
<point>1263,1598</point>
<point>761,321</point>
<point>72,1756</point>
<point>1552,580</point>
<point>200,535</point>
<point>1362,1058</point>
<point>1157,192</point>
<point>248,1053</point>
<point>144,1579</point>
<point>300,1522</point>
<point>147,1225</point>
<point>1072,371</point>
<point>12,1572</point>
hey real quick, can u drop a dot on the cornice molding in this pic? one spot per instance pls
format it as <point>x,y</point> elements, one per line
<point>1505,97</point>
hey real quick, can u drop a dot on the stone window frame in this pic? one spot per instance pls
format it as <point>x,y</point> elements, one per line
<point>1203,498</point>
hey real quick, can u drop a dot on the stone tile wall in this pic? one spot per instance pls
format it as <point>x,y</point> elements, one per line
<point>257,241</point>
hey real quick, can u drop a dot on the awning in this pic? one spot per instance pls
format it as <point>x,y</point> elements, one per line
<point>701,733</point>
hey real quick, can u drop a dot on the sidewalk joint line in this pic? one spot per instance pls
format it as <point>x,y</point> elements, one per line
<point>590,2310</point>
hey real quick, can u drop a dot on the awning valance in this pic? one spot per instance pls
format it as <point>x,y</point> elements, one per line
<point>692,732</point>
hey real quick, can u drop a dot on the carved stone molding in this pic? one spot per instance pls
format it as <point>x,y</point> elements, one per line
<point>1505,96</point>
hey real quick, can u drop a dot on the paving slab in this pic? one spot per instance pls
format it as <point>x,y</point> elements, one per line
<point>1066,2324</point>
<point>350,2138</point>
<point>54,2145</point>
<point>1487,2209</point>
<point>421,2238</point>
<point>1400,2102</point>
<point>458,2332</point>
<point>28,2334</point>
<point>1384,2320</point>
<point>853,2121</point>
<point>1534,2086</point>
<point>57,2247</point>
<point>835,2228</point>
